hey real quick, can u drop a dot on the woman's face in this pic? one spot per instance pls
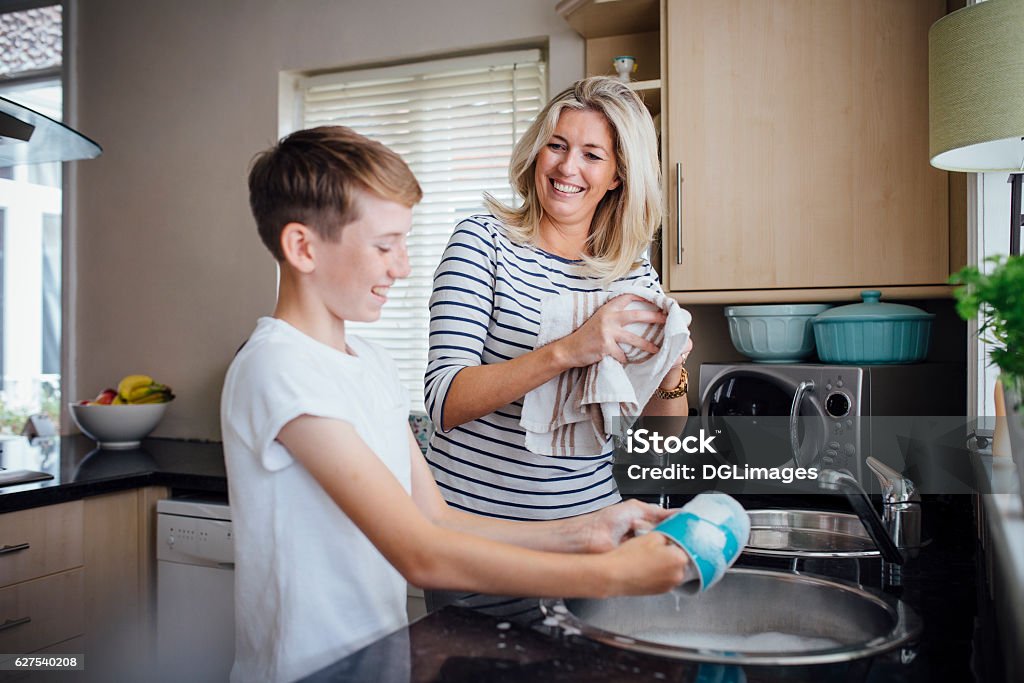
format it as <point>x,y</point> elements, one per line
<point>576,167</point>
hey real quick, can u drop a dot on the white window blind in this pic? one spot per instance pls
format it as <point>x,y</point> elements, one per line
<point>454,122</point>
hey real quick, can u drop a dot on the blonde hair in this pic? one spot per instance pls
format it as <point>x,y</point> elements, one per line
<point>626,217</point>
<point>312,177</point>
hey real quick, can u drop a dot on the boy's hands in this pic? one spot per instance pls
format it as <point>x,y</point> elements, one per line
<point>648,564</point>
<point>610,526</point>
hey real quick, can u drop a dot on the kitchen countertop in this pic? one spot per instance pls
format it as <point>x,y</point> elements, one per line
<point>80,469</point>
<point>511,644</point>
<point>458,644</point>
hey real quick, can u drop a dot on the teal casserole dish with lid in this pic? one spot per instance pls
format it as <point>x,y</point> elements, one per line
<point>873,332</point>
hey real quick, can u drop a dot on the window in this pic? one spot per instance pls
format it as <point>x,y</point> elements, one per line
<point>454,122</point>
<point>993,237</point>
<point>31,58</point>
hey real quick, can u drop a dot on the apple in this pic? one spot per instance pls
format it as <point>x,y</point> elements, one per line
<point>106,397</point>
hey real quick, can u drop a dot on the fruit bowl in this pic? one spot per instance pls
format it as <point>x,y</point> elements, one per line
<point>117,426</point>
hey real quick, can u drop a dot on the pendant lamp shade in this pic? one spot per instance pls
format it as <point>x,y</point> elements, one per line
<point>976,88</point>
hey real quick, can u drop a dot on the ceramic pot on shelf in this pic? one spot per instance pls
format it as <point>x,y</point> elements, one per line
<point>624,65</point>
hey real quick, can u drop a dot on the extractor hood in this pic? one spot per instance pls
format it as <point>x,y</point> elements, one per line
<point>28,137</point>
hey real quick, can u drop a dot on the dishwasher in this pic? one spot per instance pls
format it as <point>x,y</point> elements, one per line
<point>195,589</point>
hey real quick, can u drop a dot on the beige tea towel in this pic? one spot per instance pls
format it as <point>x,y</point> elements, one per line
<point>574,413</point>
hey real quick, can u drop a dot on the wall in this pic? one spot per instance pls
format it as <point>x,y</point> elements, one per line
<point>166,274</point>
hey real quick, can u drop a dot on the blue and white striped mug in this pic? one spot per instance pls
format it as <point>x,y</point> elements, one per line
<point>712,529</point>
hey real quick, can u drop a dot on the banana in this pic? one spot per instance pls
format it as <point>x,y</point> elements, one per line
<point>156,397</point>
<point>141,392</point>
<point>131,383</point>
<point>141,389</point>
<point>154,393</point>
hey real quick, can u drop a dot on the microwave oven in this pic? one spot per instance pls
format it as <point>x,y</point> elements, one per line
<point>824,413</point>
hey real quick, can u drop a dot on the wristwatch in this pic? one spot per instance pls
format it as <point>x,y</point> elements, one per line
<point>680,390</point>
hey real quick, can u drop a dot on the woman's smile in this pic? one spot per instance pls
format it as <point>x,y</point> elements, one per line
<point>576,168</point>
<point>566,188</point>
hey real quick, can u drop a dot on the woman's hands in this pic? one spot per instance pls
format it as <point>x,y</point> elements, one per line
<point>603,333</point>
<point>671,378</point>
<point>686,351</point>
<point>610,526</point>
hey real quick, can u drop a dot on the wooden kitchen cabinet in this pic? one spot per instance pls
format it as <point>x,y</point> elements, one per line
<point>795,141</point>
<point>39,541</point>
<point>41,577</point>
<point>79,577</point>
<point>120,578</point>
<point>621,27</point>
<point>42,612</point>
<point>797,150</point>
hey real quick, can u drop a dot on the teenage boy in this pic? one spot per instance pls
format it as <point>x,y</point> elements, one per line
<point>334,506</point>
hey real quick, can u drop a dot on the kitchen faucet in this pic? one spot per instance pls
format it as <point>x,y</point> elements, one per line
<point>897,533</point>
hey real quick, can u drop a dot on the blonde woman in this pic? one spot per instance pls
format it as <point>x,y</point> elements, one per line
<point>588,172</point>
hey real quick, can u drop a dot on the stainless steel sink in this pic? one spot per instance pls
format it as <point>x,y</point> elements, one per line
<point>808,533</point>
<point>751,617</point>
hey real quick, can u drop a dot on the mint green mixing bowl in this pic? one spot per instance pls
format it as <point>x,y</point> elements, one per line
<point>779,333</point>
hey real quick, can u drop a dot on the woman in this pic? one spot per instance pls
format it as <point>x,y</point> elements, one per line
<point>588,172</point>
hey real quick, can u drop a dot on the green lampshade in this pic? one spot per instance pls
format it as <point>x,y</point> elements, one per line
<point>976,88</point>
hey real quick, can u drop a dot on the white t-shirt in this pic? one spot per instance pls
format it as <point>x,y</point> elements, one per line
<point>310,588</point>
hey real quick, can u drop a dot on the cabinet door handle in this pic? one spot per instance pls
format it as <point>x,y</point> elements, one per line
<point>13,548</point>
<point>11,623</point>
<point>679,213</point>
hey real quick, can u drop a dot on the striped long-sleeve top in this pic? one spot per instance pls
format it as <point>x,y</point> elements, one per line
<point>485,308</point>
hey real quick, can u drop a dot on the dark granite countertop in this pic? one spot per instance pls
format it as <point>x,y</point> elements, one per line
<point>509,642</point>
<point>80,469</point>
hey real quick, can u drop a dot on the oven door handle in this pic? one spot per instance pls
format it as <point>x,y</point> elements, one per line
<point>794,418</point>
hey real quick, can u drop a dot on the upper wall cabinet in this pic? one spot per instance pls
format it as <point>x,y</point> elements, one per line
<point>621,27</point>
<point>795,149</point>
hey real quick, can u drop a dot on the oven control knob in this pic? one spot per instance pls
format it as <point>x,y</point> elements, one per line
<point>837,405</point>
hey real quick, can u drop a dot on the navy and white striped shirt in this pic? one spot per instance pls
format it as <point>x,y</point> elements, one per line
<point>485,308</point>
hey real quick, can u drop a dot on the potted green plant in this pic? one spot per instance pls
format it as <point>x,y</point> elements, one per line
<point>998,297</point>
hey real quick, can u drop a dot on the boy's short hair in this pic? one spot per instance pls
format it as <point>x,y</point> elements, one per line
<point>312,176</point>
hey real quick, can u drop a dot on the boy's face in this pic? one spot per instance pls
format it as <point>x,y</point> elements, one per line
<point>356,272</point>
